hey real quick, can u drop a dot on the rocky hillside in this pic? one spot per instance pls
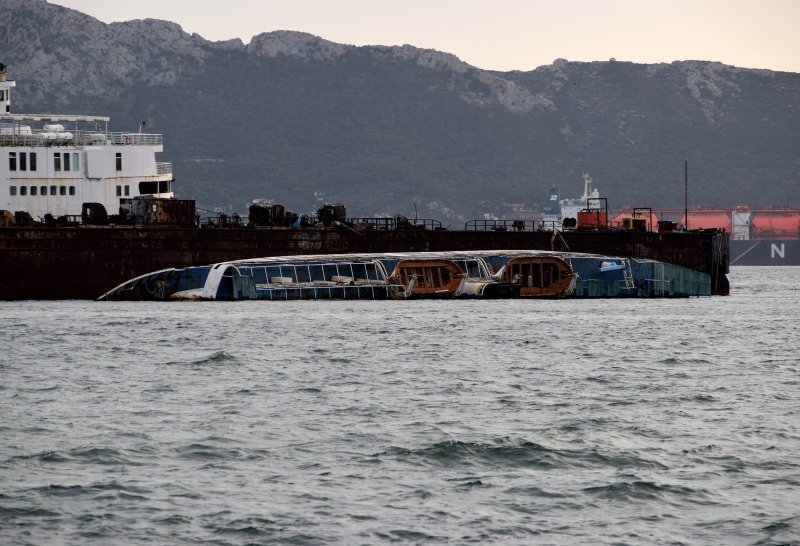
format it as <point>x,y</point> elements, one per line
<point>291,115</point>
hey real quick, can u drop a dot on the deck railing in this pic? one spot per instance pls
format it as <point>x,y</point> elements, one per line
<point>395,223</point>
<point>503,225</point>
<point>79,138</point>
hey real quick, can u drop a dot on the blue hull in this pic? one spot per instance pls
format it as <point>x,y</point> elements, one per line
<point>765,252</point>
<point>369,276</point>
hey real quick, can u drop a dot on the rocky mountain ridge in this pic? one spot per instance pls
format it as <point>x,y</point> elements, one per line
<point>418,125</point>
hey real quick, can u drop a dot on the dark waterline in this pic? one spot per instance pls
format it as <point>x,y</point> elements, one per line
<point>508,422</point>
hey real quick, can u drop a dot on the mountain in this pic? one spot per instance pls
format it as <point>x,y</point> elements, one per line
<point>385,129</point>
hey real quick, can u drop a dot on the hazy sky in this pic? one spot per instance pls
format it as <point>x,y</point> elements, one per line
<point>504,34</point>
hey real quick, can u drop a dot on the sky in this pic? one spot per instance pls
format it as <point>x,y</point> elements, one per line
<point>504,34</point>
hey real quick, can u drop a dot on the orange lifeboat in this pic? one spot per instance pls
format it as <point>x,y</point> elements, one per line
<point>539,276</point>
<point>434,278</point>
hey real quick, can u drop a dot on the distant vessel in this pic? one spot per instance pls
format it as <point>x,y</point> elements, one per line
<point>558,213</point>
<point>72,165</point>
<point>758,236</point>
<point>465,274</point>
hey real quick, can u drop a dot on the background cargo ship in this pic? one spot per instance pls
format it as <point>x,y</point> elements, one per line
<point>757,236</point>
<point>104,214</point>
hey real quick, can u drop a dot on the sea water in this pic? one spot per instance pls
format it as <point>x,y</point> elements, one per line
<point>673,421</point>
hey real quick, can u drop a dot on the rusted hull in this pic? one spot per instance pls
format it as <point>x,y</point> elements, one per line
<point>82,262</point>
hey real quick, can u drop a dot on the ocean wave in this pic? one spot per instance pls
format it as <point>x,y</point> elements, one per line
<point>458,453</point>
<point>83,455</point>
<point>111,489</point>
<point>207,452</point>
<point>217,357</point>
<point>646,490</point>
<point>516,454</point>
<point>15,512</point>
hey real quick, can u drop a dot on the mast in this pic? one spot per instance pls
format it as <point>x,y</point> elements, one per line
<point>686,194</point>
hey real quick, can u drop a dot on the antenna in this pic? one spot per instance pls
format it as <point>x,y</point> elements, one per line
<point>140,127</point>
<point>686,194</point>
<point>587,183</point>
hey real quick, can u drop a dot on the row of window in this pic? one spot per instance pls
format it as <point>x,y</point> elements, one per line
<point>42,190</point>
<point>23,163</point>
<point>60,164</point>
<point>59,190</point>
<point>67,161</point>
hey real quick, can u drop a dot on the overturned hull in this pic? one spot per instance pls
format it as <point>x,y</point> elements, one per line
<point>477,274</point>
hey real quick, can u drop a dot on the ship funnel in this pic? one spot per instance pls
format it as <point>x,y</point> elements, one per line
<point>553,205</point>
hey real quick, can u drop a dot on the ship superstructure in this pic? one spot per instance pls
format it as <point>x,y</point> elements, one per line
<point>54,163</point>
<point>565,212</point>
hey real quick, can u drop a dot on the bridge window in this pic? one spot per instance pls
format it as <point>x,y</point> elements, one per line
<point>72,190</point>
<point>119,161</point>
<point>23,161</point>
<point>127,190</point>
<point>23,190</point>
<point>76,161</point>
<point>62,190</point>
<point>34,190</point>
<point>119,191</point>
<point>57,162</point>
<point>33,161</point>
<point>43,190</point>
<point>12,190</point>
<point>66,162</point>
<point>53,190</point>
<point>12,161</point>
<point>148,188</point>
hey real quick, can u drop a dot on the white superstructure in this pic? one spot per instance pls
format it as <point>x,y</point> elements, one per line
<point>556,211</point>
<point>56,163</point>
<point>571,207</point>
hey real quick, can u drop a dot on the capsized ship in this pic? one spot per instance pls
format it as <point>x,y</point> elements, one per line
<point>468,274</point>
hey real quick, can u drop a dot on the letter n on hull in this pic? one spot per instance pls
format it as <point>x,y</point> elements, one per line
<point>777,250</point>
